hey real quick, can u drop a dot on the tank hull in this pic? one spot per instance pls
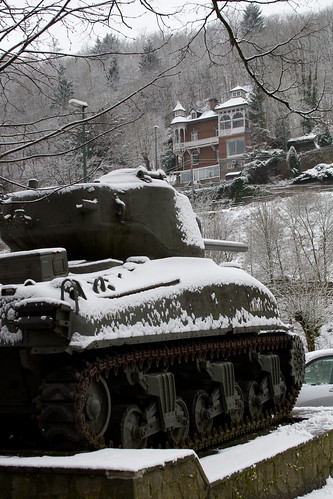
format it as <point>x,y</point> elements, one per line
<point>167,337</point>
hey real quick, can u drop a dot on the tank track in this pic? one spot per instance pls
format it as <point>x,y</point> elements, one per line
<point>61,404</point>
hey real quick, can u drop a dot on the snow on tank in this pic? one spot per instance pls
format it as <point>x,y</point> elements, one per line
<point>141,301</point>
<point>126,212</point>
<point>133,350</point>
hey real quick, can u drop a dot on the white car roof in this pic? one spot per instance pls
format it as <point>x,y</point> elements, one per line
<point>317,354</point>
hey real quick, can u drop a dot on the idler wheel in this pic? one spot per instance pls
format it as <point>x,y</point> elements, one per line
<point>180,431</point>
<point>97,408</point>
<point>198,402</point>
<point>236,415</point>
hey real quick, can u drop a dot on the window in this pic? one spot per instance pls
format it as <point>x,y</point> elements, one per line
<point>207,172</point>
<point>235,147</point>
<point>237,120</point>
<point>193,115</point>
<point>194,135</point>
<point>319,372</point>
<point>225,122</point>
<point>195,157</point>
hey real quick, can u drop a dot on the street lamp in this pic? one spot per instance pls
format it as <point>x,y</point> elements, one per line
<point>156,165</point>
<point>82,105</point>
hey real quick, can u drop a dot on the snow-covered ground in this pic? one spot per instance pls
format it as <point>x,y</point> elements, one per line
<point>326,491</point>
<point>227,461</point>
<point>216,466</point>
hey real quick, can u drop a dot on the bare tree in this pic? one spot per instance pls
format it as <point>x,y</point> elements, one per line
<point>291,246</point>
<point>272,56</point>
<point>30,59</point>
<point>265,231</point>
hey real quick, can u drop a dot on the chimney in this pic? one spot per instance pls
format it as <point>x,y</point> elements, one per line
<point>212,103</point>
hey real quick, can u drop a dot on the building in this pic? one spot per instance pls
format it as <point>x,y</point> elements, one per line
<point>211,142</point>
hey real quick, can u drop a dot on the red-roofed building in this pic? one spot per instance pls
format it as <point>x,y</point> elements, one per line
<point>211,142</point>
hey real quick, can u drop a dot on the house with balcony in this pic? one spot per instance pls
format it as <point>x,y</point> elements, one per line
<point>210,143</point>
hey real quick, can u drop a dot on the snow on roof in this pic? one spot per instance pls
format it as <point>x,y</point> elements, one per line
<point>233,102</point>
<point>238,88</point>
<point>310,136</point>
<point>180,119</point>
<point>178,107</point>
<point>209,113</point>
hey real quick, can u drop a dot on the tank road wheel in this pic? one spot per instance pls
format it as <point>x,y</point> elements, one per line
<point>252,398</point>
<point>198,402</point>
<point>180,431</point>
<point>97,408</point>
<point>130,420</point>
<point>236,415</point>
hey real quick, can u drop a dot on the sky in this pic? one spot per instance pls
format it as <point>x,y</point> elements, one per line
<point>142,22</point>
<point>147,22</point>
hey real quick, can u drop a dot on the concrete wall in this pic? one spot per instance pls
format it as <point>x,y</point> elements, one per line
<point>285,476</point>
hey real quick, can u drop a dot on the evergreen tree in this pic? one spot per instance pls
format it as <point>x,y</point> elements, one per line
<point>282,132</point>
<point>253,20</point>
<point>310,97</point>
<point>293,161</point>
<point>324,137</point>
<point>63,91</point>
<point>149,60</point>
<point>106,49</point>
<point>112,71</point>
<point>168,158</point>
<point>259,132</point>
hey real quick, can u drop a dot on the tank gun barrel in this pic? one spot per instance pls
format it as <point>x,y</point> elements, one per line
<point>220,245</point>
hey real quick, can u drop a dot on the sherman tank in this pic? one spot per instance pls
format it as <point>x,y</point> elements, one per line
<point>117,331</point>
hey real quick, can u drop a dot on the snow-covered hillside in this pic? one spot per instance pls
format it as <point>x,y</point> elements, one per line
<point>290,243</point>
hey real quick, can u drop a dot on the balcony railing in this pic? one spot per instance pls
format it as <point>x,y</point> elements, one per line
<point>193,144</point>
<point>232,131</point>
<point>207,172</point>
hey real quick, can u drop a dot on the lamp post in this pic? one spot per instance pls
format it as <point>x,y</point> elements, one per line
<point>83,106</point>
<point>155,128</point>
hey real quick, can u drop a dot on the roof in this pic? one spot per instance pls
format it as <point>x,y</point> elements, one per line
<point>233,102</point>
<point>179,107</point>
<point>187,119</point>
<point>239,88</point>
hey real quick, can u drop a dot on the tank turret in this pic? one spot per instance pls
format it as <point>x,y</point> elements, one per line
<point>124,213</point>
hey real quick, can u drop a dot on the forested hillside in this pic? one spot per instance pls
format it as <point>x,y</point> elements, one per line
<point>290,242</point>
<point>132,86</point>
